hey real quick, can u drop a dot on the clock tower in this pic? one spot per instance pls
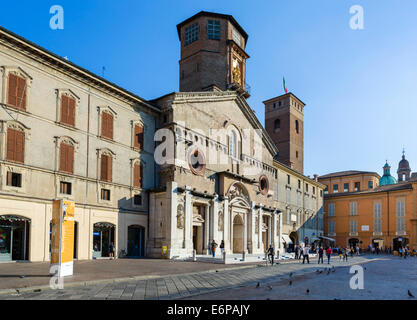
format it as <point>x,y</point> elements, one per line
<point>213,53</point>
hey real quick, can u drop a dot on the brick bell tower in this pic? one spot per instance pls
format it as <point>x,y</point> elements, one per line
<point>213,53</point>
<point>284,122</point>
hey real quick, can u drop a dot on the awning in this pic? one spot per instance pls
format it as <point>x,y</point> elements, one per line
<point>327,238</point>
<point>286,239</point>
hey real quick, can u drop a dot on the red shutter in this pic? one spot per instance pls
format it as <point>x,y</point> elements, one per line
<point>70,159</point>
<point>64,109</point>
<point>107,125</point>
<point>11,145</point>
<point>138,137</point>
<point>104,124</point>
<point>136,176</point>
<point>20,146</point>
<point>12,90</point>
<point>110,126</point>
<point>104,167</point>
<point>110,168</point>
<point>21,93</point>
<point>71,111</point>
<point>62,157</point>
<point>140,175</point>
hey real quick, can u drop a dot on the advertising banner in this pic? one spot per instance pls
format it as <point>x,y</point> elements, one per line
<point>62,242</point>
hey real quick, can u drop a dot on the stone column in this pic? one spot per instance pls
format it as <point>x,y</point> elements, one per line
<point>171,219</point>
<point>274,229</point>
<point>260,228</point>
<point>252,235</point>
<point>245,233</point>
<point>206,245</point>
<point>188,221</point>
<point>226,226</point>
<point>280,232</point>
<point>214,220</point>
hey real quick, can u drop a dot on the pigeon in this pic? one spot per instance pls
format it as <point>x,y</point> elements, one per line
<point>269,287</point>
<point>258,285</point>
<point>37,290</point>
<point>290,282</point>
<point>308,291</point>
<point>290,274</point>
<point>334,269</point>
<point>217,270</point>
<point>410,294</point>
<point>321,271</point>
<point>21,277</point>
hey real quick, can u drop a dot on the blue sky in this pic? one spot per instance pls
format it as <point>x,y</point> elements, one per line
<point>360,86</point>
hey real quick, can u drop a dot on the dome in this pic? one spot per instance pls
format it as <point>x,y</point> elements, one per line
<point>387,178</point>
<point>403,164</point>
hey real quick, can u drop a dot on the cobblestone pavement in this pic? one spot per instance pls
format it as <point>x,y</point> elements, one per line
<point>187,286</point>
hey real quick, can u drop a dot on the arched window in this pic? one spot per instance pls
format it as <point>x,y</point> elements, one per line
<point>232,144</point>
<point>277,124</point>
<point>297,128</point>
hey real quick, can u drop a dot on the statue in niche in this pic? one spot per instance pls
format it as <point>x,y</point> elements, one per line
<point>180,217</point>
<point>220,224</point>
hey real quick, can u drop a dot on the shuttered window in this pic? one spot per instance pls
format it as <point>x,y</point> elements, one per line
<point>107,125</point>
<point>66,158</point>
<point>106,168</point>
<point>68,110</point>
<point>137,175</point>
<point>15,145</point>
<point>138,141</point>
<point>17,92</point>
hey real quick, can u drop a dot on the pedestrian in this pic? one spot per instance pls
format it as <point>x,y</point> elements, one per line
<point>306,252</point>
<point>340,252</point>
<point>222,247</point>
<point>111,251</point>
<point>405,252</point>
<point>271,254</point>
<point>400,252</point>
<point>213,248</point>
<point>357,250</point>
<point>328,253</point>
<point>321,251</point>
<point>296,252</point>
<point>345,254</point>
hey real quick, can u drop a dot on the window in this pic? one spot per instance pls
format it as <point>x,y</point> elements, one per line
<point>400,216</point>
<point>357,186</point>
<point>346,187</point>
<point>314,190</point>
<point>137,200</point>
<point>213,29</point>
<point>335,188</point>
<point>66,158</point>
<point>289,179</point>
<point>191,33</point>
<point>65,187</point>
<point>137,175</point>
<point>107,125</point>
<point>353,226</point>
<point>14,179</point>
<point>263,185</point>
<point>105,194</point>
<point>306,187</point>
<point>321,193</point>
<point>232,144</point>
<point>15,145</point>
<point>296,154</point>
<point>288,194</point>
<point>17,92</point>
<point>277,124</point>
<point>377,217</point>
<point>106,168</point>
<point>68,110</point>
<point>332,227</point>
<point>370,184</point>
<point>297,127</point>
<point>276,191</point>
<point>332,207</point>
<point>139,135</point>
<point>236,36</point>
<point>299,184</point>
<point>326,190</point>
<point>353,208</point>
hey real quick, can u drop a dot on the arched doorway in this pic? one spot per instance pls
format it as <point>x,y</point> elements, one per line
<point>135,241</point>
<point>238,234</point>
<point>103,237</point>
<point>399,242</point>
<point>294,239</point>
<point>353,242</point>
<point>14,238</point>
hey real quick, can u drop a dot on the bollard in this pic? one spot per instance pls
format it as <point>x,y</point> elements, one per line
<point>194,255</point>
<point>224,257</point>
<point>243,255</point>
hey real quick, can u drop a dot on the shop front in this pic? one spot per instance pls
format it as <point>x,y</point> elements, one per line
<point>14,238</point>
<point>103,238</point>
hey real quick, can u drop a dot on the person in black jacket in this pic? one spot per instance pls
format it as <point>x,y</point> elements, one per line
<point>271,254</point>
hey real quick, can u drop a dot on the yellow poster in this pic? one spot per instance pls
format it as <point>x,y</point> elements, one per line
<point>62,242</point>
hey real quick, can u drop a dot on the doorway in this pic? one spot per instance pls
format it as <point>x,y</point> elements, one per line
<point>103,237</point>
<point>353,242</point>
<point>135,241</point>
<point>198,238</point>
<point>238,234</point>
<point>14,238</point>
<point>399,242</point>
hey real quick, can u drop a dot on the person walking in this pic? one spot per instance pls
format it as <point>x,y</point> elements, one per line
<point>405,252</point>
<point>213,248</point>
<point>340,252</point>
<point>400,252</point>
<point>345,254</point>
<point>111,251</point>
<point>320,252</point>
<point>328,253</point>
<point>222,247</point>
<point>296,252</point>
<point>306,252</point>
<point>271,254</point>
<point>357,250</point>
